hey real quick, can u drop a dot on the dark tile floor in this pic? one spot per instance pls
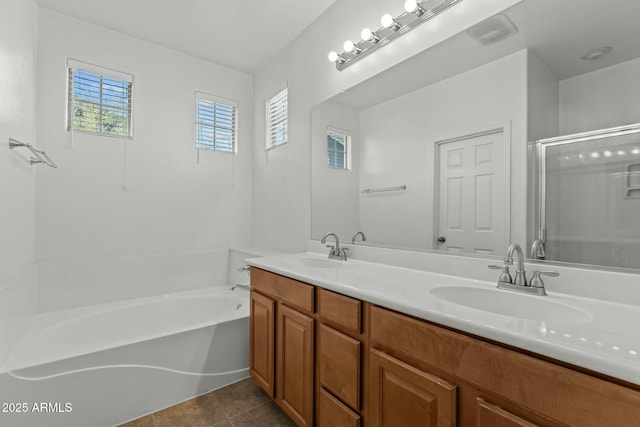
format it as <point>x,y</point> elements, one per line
<point>242,404</point>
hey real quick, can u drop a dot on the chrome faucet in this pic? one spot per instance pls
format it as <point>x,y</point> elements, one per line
<point>355,236</point>
<point>336,252</point>
<point>537,249</point>
<point>521,278</point>
<point>519,283</point>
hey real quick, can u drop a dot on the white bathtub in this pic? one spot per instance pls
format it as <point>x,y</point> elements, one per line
<point>102,365</point>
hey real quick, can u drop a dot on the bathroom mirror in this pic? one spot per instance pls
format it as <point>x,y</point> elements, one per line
<point>439,145</point>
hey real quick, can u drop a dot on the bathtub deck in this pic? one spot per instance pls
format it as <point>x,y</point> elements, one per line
<point>242,404</point>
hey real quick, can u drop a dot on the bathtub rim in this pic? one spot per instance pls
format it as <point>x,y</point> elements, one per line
<point>40,321</point>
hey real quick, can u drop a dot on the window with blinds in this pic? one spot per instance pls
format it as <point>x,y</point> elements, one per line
<point>99,100</point>
<point>338,149</point>
<point>277,126</point>
<point>216,123</point>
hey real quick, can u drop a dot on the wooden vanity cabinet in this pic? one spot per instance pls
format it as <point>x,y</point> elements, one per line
<point>332,360</point>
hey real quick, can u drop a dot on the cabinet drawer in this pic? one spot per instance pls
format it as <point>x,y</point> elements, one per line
<point>340,310</point>
<point>489,415</point>
<point>331,412</point>
<point>288,290</point>
<point>339,365</point>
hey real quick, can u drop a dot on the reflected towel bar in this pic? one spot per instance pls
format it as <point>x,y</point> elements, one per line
<point>379,190</point>
<point>40,155</point>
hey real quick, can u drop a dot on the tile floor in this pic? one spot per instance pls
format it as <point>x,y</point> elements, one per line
<point>242,404</point>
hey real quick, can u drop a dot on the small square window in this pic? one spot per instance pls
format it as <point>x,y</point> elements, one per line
<point>99,100</point>
<point>216,123</point>
<point>277,120</point>
<point>338,149</point>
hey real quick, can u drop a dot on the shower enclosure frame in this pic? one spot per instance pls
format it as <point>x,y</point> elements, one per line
<point>538,150</point>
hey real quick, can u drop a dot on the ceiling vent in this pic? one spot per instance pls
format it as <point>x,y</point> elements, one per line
<point>492,30</point>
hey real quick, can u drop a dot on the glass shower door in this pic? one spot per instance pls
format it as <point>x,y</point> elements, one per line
<point>589,204</point>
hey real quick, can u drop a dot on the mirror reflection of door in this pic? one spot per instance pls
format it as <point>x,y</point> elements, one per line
<point>472,188</point>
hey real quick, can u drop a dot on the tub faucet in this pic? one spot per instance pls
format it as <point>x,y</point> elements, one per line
<point>521,278</point>
<point>336,252</point>
<point>355,236</point>
<point>238,285</point>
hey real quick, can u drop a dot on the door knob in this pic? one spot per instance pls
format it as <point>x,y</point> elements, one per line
<point>441,239</point>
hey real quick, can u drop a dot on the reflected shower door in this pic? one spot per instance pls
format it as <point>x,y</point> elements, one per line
<point>590,197</point>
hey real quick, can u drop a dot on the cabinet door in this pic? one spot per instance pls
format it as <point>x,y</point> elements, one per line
<point>402,395</point>
<point>294,383</point>
<point>261,340</point>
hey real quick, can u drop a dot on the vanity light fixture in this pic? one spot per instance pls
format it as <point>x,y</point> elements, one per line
<point>416,13</point>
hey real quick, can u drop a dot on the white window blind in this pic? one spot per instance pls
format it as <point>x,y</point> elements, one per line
<point>338,149</point>
<point>216,123</point>
<point>277,120</point>
<point>99,100</point>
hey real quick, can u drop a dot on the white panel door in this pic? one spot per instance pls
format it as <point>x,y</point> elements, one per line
<point>472,194</point>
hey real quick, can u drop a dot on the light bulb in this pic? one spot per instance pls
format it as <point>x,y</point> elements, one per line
<point>333,56</point>
<point>368,35</point>
<point>410,6</point>
<point>387,21</point>
<point>348,46</point>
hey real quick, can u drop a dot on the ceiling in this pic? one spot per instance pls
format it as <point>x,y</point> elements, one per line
<point>240,34</point>
<point>557,32</point>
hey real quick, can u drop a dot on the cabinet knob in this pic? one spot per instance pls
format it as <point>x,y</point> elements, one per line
<point>441,239</point>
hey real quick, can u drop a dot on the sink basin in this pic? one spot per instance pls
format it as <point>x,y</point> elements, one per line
<point>512,304</point>
<point>319,263</point>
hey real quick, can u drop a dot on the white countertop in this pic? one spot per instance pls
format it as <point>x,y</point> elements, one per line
<point>606,339</point>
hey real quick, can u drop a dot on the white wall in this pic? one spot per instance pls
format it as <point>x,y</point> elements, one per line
<point>281,177</point>
<point>334,192</point>
<point>18,38</point>
<point>601,99</point>
<point>172,204</point>
<point>398,147</point>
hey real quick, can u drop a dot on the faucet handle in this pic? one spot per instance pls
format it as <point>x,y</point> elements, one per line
<point>536,280</point>
<point>504,276</point>
<point>537,273</point>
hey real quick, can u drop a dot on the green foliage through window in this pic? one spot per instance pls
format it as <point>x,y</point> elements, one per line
<point>99,104</point>
<point>216,122</point>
